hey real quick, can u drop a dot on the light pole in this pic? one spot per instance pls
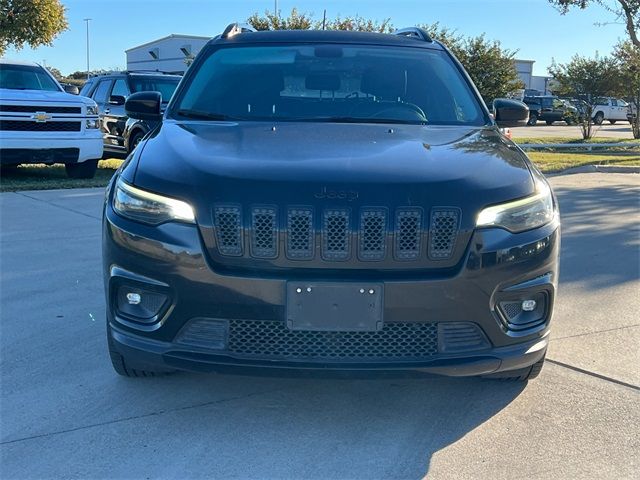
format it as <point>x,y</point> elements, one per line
<point>87,20</point>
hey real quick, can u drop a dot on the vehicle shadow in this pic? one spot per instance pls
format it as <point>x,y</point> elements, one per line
<point>600,246</point>
<point>275,427</point>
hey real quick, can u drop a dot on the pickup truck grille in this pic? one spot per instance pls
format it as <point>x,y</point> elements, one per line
<point>39,108</point>
<point>367,234</point>
<point>30,126</point>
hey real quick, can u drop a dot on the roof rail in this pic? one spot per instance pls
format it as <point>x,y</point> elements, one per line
<point>236,28</point>
<point>414,32</point>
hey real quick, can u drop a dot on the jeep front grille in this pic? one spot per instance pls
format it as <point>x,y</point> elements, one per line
<point>336,234</point>
<point>300,235</point>
<point>444,230</point>
<point>367,234</point>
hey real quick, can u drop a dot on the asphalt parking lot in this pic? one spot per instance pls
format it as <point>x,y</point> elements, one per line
<point>560,129</point>
<point>66,414</point>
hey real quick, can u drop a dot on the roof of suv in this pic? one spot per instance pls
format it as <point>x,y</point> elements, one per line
<point>324,36</point>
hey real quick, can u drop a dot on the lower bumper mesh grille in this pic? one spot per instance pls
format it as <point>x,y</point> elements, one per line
<point>267,339</point>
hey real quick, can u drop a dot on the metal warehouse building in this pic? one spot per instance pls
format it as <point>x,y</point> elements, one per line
<point>167,54</point>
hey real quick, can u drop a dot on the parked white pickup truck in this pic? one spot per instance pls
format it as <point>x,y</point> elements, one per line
<point>41,123</point>
<point>611,109</point>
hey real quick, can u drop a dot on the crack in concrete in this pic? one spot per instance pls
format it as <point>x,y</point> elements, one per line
<point>594,333</point>
<point>57,206</point>
<point>594,374</point>
<point>136,417</point>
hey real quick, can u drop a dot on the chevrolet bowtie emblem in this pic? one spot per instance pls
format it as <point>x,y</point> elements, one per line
<point>41,117</point>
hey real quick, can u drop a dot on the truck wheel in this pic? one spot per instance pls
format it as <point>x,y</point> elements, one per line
<point>86,169</point>
<point>124,368</point>
<point>533,119</point>
<point>599,118</point>
<point>612,122</point>
<point>520,375</point>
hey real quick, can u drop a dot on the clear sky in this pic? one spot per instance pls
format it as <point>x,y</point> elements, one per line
<point>532,27</point>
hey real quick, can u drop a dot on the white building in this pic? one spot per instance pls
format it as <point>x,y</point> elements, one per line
<point>533,82</point>
<point>167,54</point>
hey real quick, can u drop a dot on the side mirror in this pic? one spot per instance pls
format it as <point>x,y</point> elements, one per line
<point>117,100</point>
<point>144,106</point>
<point>509,112</point>
<point>72,89</point>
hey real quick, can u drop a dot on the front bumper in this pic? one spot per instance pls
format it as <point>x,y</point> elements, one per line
<point>169,259</point>
<point>17,147</point>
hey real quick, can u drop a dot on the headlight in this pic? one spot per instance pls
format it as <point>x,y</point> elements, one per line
<point>92,110</point>
<point>520,215</point>
<point>92,124</point>
<point>147,207</point>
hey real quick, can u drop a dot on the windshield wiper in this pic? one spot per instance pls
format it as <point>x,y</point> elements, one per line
<point>201,115</point>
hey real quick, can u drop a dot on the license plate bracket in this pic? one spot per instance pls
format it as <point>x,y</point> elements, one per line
<point>338,307</point>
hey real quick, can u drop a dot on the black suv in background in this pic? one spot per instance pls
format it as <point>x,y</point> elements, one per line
<point>110,91</point>
<point>550,109</point>
<point>328,200</point>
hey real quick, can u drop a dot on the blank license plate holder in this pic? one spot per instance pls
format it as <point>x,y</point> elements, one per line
<point>337,307</point>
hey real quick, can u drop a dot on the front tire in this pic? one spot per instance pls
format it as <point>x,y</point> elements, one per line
<point>599,118</point>
<point>124,368</point>
<point>533,119</point>
<point>86,169</point>
<point>134,140</point>
<point>520,375</point>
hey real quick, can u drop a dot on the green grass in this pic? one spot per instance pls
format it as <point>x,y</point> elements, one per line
<point>552,162</point>
<point>43,177</point>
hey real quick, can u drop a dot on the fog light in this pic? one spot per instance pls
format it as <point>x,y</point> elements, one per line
<point>135,298</point>
<point>529,305</point>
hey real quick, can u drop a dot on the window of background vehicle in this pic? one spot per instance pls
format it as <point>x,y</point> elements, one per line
<point>86,88</point>
<point>120,88</point>
<point>26,77</point>
<point>100,95</point>
<point>614,102</point>
<point>307,82</point>
<point>146,83</point>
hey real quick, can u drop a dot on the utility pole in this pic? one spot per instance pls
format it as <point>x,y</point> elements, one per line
<point>275,2</point>
<point>87,20</point>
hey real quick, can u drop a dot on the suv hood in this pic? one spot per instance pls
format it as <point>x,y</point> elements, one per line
<point>183,158</point>
<point>41,96</point>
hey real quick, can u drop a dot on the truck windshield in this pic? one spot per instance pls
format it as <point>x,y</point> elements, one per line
<point>26,77</point>
<point>329,83</point>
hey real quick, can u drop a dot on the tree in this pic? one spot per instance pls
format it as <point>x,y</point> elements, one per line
<point>56,73</point>
<point>628,58</point>
<point>273,21</point>
<point>627,11</point>
<point>31,22</point>
<point>305,21</point>
<point>491,67</point>
<point>586,78</point>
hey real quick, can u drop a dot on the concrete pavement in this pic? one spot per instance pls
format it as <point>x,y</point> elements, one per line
<point>66,414</point>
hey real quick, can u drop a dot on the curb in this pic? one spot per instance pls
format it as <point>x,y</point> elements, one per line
<point>599,169</point>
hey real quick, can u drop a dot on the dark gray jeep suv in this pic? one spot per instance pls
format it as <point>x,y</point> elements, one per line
<point>328,201</point>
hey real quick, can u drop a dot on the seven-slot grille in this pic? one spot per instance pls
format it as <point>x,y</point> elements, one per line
<point>373,226</point>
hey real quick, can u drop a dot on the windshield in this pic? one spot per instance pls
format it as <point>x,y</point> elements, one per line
<point>145,83</point>
<point>26,77</point>
<point>329,82</point>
